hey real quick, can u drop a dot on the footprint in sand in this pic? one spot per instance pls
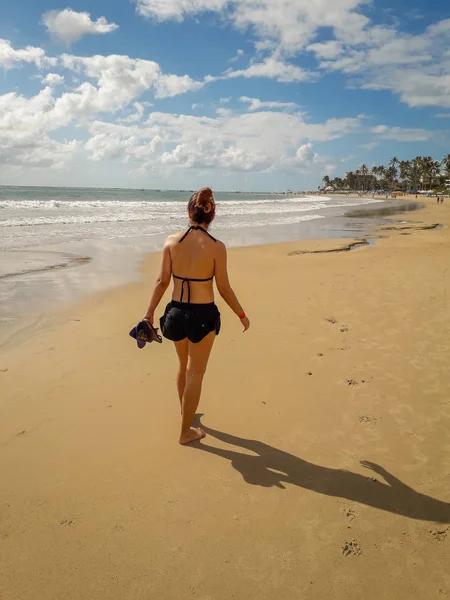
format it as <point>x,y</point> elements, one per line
<point>355,382</point>
<point>351,549</point>
<point>331,320</point>
<point>67,522</point>
<point>21,433</point>
<point>440,535</point>
<point>349,513</point>
<point>368,419</point>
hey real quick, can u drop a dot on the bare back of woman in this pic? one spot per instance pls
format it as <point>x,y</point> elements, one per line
<point>192,320</point>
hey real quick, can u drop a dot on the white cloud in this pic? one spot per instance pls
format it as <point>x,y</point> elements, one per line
<point>305,154</point>
<point>382,56</point>
<point>370,146</point>
<point>290,25</point>
<point>414,86</point>
<point>401,51</point>
<point>10,58</point>
<point>70,26</point>
<point>239,54</point>
<point>413,66</point>
<point>119,80</point>
<point>262,136</point>
<point>177,9</point>
<point>272,68</point>
<point>105,146</point>
<point>224,112</point>
<point>53,79</point>
<point>255,141</point>
<point>256,104</point>
<point>353,63</point>
<point>168,86</point>
<point>401,134</point>
<point>139,109</point>
<point>327,50</point>
<point>24,127</point>
<point>110,84</point>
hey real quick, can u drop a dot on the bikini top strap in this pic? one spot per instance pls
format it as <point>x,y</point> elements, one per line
<point>196,228</point>
<point>190,279</point>
<point>204,231</point>
<point>185,235</point>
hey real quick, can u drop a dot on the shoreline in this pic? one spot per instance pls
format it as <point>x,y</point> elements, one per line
<point>326,460</point>
<point>50,288</point>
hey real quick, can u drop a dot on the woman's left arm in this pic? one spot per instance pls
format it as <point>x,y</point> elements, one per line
<point>162,283</point>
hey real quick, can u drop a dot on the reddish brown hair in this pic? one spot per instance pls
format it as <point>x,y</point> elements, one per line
<point>202,207</point>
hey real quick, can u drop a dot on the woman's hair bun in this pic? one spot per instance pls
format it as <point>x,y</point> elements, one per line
<point>205,200</point>
<point>202,206</point>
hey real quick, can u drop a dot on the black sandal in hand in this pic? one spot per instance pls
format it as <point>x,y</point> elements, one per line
<point>145,333</point>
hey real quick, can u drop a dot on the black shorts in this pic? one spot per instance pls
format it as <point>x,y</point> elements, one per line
<point>193,321</point>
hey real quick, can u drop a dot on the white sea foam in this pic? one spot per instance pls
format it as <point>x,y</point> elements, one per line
<point>130,217</point>
<point>38,212</point>
<point>39,216</point>
<point>148,204</point>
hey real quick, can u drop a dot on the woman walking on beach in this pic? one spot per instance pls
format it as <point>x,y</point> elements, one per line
<point>192,320</point>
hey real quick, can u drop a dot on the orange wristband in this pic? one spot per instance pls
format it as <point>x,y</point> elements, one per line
<point>242,316</point>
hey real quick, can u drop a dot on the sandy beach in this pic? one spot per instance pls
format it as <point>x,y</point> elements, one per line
<point>325,473</point>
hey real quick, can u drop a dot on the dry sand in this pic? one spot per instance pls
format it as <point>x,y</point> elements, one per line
<point>348,360</point>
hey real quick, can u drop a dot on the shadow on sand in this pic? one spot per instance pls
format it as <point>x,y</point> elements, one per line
<point>268,467</point>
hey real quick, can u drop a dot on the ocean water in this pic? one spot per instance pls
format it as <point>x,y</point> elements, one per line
<point>31,217</point>
<point>57,244</point>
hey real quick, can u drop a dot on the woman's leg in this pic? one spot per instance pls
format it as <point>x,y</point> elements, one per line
<point>182,351</point>
<point>198,355</point>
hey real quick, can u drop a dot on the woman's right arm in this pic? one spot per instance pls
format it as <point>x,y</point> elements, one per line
<point>224,287</point>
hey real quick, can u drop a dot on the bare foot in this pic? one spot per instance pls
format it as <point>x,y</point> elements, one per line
<point>191,436</point>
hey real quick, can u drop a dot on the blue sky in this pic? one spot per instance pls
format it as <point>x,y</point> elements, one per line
<point>236,94</point>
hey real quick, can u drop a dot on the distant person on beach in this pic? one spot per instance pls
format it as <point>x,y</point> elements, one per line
<point>192,320</point>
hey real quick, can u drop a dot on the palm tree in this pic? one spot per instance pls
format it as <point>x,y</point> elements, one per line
<point>392,170</point>
<point>445,162</point>
<point>435,170</point>
<point>405,172</point>
<point>326,180</point>
<point>426,170</point>
<point>394,162</point>
<point>350,180</point>
<point>382,171</point>
<point>374,174</point>
<point>363,171</point>
<point>421,170</point>
<point>392,176</point>
<point>416,170</point>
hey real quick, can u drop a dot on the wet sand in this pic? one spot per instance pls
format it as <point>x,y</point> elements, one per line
<point>325,472</point>
<point>36,282</point>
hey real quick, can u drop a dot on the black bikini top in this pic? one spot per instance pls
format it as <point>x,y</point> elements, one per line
<point>187,280</point>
